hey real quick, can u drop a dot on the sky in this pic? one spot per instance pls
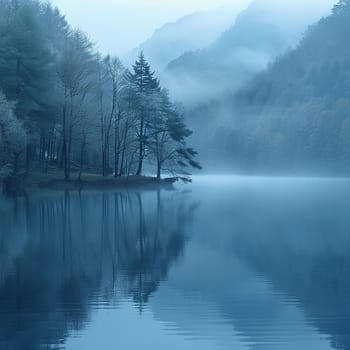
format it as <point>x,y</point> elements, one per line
<point>117,26</point>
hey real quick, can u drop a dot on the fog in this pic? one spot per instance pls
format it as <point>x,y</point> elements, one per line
<point>174,174</point>
<point>263,31</point>
<point>234,261</point>
<point>231,72</point>
<point>191,32</point>
<point>118,26</point>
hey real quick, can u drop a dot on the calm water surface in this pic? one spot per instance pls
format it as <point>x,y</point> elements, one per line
<point>225,263</point>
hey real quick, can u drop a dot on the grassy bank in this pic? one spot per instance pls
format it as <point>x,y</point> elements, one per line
<point>54,181</point>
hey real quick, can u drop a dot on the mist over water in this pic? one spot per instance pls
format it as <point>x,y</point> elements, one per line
<point>226,262</point>
<point>108,240</point>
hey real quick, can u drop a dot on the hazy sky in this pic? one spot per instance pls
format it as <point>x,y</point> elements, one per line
<point>120,25</point>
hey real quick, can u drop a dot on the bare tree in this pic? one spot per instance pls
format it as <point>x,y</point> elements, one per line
<point>75,72</point>
<point>112,81</point>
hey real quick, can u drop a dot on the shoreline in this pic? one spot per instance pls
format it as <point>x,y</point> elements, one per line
<point>107,183</point>
<point>49,181</point>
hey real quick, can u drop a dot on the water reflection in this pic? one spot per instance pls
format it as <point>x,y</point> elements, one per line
<point>63,255</point>
<point>259,264</point>
<point>287,243</point>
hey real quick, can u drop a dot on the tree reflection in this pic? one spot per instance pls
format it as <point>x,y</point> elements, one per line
<point>62,255</point>
<point>303,253</point>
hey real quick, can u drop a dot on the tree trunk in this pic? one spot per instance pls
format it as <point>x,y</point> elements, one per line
<point>125,135</point>
<point>159,170</point>
<point>105,163</point>
<point>64,140</point>
<point>116,146</point>
<point>82,157</point>
<point>66,171</point>
<point>28,155</point>
<point>40,147</point>
<point>16,163</point>
<point>141,149</point>
<point>43,152</point>
<point>68,155</point>
<point>60,155</point>
<point>140,165</point>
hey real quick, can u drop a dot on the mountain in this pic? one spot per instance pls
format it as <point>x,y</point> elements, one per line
<point>294,117</point>
<point>262,32</point>
<point>191,32</point>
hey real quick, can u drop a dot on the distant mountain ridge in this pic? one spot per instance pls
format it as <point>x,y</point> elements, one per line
<point>295,115</point>
<point>262,32</point>
<point>291,119</point>
<point>194,31</point>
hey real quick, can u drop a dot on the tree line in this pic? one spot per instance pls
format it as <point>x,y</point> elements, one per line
<point>64,106</point>
<point>110,244</point>
<point>295,115</point>
<point>293,118</point>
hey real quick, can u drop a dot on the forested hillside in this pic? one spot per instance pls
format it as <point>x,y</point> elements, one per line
<point>296,115</point>
<point>262,32</point>
<point>64,107</point>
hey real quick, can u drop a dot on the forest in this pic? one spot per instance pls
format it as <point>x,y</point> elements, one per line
<point>68,110</point>
<point>64,108</point>
<point>111,236</point>
<point>293,117</point>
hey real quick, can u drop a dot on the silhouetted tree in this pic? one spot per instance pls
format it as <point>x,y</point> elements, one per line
<point>144,86</point>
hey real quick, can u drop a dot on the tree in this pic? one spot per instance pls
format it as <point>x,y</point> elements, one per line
<point>144,86</point>
<point>342,8</point>
<point>112,82</point>
<point>25,65</point>
<point>12,136</point>
<point>168,139</point>
<point>71,109</point>
<point>76,74</point>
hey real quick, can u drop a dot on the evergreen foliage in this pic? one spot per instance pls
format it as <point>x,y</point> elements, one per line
<point>71,108</point>
<point>295,116</point>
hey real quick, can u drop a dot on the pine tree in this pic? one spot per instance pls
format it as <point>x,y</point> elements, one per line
<point>168,139</point>
<point>26,67</point>
<point>12,136</point>
<point>25,61</point>
<point>144,86</point>
<point>342,8</point>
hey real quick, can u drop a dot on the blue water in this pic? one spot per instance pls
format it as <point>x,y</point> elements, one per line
<point>224,263</point>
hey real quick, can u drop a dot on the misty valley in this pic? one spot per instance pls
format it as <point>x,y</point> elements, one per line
<point>174,175</point>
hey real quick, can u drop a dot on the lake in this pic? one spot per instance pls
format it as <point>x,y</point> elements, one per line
<point>223,263</point>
